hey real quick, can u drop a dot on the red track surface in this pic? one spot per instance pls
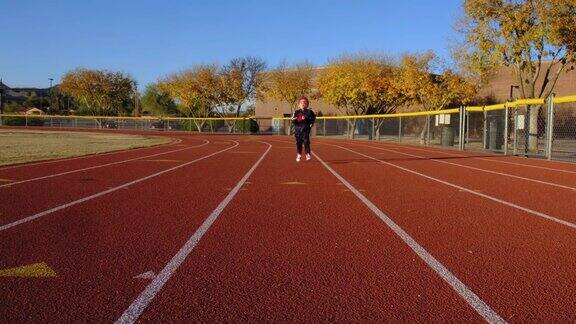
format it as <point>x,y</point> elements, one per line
<point>294,243</point>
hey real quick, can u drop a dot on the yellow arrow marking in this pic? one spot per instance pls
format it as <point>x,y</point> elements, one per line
<point>37,270</point>
<point>293,183</point>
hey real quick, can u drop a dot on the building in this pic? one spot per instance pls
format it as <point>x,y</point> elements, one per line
<point>29,111</point>
<point>502,85</point>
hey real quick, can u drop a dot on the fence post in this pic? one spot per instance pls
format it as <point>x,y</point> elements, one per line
<point>462,128</point>
<point>428,121</point>
<point>527,130</point>
<point>399,129</point>
<point>506,111</point>
<point>467,127</point>
<point>515,148</point>
<point>324,127</point>
<point>550,128</point>
<point>485,130</point>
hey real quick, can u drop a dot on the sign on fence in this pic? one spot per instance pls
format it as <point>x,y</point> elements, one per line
<point>442,119</point>
<point>520,122</point>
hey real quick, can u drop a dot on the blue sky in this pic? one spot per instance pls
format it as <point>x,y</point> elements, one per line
<point>150,39</point>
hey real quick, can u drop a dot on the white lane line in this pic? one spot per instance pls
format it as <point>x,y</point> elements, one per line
<point>481,158</point>
<point>526,165</point>
<point>466,293</point>
<point>100,166</point>
<point>102,193</point>
<point>89,156</point>
<point>504,202</point>
<point>133,312</point>
<point>424,158</point>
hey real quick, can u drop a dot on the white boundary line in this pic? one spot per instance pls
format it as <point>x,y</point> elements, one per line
<point>466,293</point>
<point>10,184</point>
<point>102,193</point>
<point>133,312</point>
<point>8,167</point>
<point>424,158</point>
<point>486,158</point>
<point>504,202</point>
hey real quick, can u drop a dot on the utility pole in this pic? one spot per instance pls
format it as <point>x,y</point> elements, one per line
<point>1,97</point>
<point>136,103</point>
<point>51,108</point>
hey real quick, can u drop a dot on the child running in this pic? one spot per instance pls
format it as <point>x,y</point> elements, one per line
<point>303,120</point>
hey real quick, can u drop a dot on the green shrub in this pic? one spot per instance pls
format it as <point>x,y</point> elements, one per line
<point>21,121</point>
<point>189,125</point>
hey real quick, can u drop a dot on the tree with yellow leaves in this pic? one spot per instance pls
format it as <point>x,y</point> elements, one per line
<point>361,85</point>
<point>429,90</point>
<point>196,91</point>
<point>536,38</point>
<point>288,83</point>
<point>241,83</point>
<point>100,92</point>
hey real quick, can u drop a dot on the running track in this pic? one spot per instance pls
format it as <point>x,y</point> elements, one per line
<point>232,229</point>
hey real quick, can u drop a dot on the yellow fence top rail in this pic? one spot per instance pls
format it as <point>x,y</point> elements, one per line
<point>566,99</point>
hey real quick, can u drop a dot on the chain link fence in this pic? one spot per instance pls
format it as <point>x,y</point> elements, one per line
<point>433,128</point>
<point>208,125</point>
<point>530,123</point>
<point>529,127</point>
<point>532,127</point>
<point>563,140</point>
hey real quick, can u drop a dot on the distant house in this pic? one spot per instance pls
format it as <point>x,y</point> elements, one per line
<point>29,111</point>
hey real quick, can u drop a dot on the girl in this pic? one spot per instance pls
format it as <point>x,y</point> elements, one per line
<point>303,120</point>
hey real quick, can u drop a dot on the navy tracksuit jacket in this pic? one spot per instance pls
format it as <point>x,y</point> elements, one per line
<point>304,119</point>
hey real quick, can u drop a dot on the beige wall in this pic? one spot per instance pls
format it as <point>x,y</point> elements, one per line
<point>273,108</point>
<point>499,85</point>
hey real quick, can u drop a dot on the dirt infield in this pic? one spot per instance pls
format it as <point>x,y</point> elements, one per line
<point>28,146</point>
